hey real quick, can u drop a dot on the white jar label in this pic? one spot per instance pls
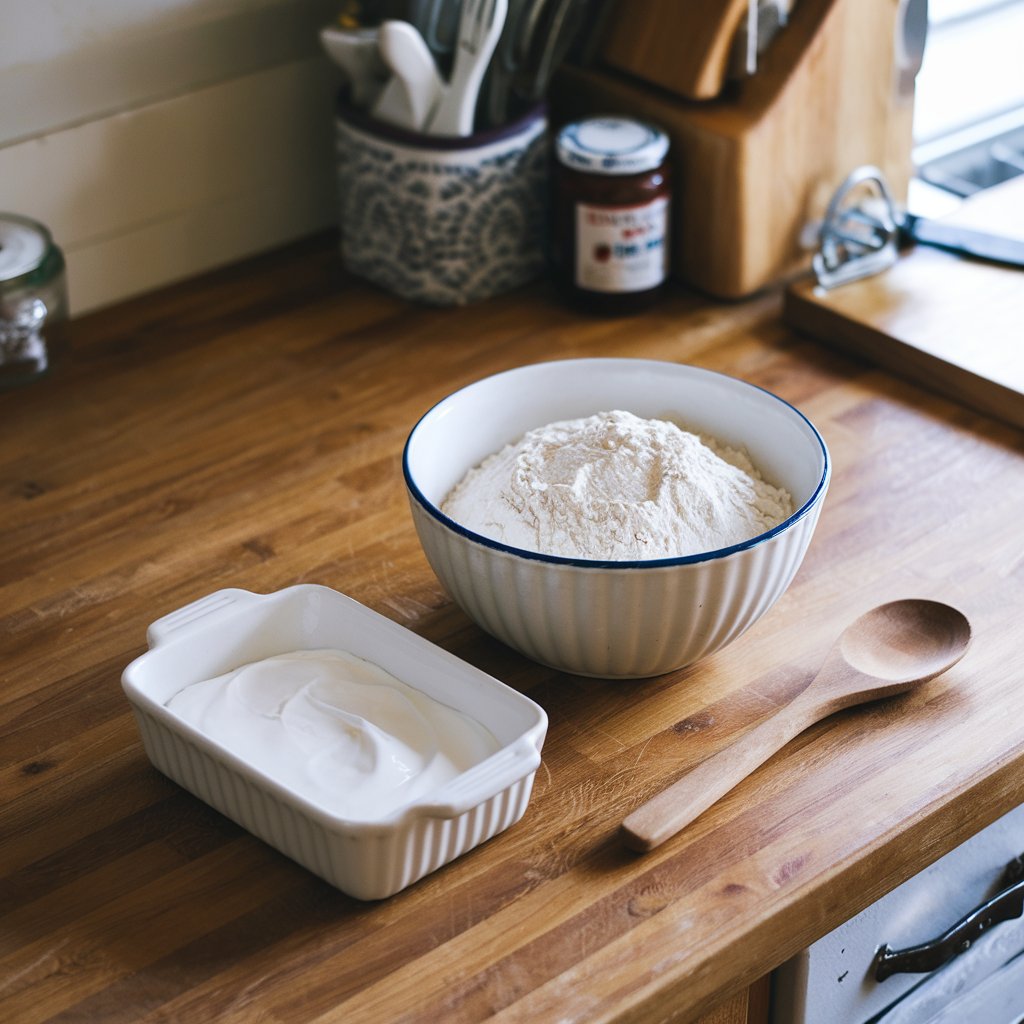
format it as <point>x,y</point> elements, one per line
<point>622,248</point>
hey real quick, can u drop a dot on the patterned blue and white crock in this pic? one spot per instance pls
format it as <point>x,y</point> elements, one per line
<point>443,220</point>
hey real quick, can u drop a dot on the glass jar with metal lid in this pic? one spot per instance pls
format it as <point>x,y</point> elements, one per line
<point>33,299</point>
<point>613,194</point>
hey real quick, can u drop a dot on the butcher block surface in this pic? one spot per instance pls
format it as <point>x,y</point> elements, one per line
<point>947,321</point>
<point>245,430</point>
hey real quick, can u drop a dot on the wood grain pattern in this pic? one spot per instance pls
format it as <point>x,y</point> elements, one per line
<point>246,429</point>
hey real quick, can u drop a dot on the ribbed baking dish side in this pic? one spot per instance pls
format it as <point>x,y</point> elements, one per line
<point>371,869</point>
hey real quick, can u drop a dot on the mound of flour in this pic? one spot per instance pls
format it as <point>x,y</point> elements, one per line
<point>619,488</point>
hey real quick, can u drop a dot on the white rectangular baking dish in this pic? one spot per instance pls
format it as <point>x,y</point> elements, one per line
<point>367,860</point>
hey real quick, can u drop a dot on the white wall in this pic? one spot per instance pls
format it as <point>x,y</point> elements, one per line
<point>159,138</point>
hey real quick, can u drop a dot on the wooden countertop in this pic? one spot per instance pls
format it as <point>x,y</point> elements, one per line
<point>246,429</point>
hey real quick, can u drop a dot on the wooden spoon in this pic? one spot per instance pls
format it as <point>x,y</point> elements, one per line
<point>886,651</point>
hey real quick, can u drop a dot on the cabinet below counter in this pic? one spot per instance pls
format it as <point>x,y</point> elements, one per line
<point>245,429</point>
<point>945,947</point>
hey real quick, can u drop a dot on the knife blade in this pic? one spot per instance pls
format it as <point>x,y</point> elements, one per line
<point>960,239</point>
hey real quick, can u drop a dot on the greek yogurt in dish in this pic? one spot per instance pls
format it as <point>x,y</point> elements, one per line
<point>336,729</point>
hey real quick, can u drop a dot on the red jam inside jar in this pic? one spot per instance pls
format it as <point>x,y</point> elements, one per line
<point>612,216</point>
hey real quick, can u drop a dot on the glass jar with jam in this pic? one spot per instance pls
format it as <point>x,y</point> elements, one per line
<point>612,206</point>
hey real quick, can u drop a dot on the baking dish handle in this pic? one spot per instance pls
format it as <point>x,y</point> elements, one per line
<point>1004,906</point>
<point>483,782</point>
<point>215,605</point>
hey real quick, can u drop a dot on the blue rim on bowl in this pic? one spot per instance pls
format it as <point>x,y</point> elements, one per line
<point>593,563</point>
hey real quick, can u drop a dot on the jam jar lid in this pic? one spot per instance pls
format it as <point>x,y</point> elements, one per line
<point>24,245</point>
<point>611,145</point>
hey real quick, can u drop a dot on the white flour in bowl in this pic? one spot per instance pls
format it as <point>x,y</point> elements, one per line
<point>616,487</point>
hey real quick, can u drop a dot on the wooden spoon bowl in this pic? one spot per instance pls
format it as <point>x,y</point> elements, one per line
<point>909,640</point>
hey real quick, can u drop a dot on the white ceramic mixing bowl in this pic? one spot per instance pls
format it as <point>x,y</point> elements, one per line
<point>613,619</point>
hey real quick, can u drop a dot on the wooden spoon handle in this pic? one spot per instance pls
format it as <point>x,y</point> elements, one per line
<point>673,808</point>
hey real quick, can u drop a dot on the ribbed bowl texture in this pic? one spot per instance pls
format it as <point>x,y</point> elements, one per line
<point>614,619</point>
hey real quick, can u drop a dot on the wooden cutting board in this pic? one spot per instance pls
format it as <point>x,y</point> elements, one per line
<point>948,322</point>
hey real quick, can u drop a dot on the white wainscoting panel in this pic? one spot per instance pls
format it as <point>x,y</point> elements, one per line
<point>168,189</point>
<point>63,62</point>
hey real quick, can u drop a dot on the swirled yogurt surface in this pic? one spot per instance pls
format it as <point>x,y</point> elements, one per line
<point>336,729</point>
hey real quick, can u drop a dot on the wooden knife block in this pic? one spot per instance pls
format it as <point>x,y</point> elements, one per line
<point>759,161</point>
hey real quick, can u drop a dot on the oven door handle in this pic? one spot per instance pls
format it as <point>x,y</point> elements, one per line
<point>1005,906</point>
